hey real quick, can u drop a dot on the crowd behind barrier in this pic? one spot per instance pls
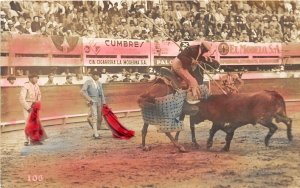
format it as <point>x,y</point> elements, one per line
<point>119,78</point>
<point>243,21</point>
<point>11,81</point>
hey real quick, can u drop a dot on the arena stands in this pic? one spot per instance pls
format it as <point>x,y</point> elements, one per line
<point>253,21</point>
<point>260,22</point>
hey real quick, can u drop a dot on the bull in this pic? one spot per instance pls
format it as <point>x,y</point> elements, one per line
<point>241,109</point>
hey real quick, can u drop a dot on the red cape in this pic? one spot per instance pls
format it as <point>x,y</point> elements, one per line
<point>118,130</point>
<point>33,128</point>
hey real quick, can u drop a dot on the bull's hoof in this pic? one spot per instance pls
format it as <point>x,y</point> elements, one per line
<point>209,145</point>
<point>225,149</point>
<point>196,145</point>
<point>266,142</point>
<point>182,149</point>
<point>290,137</point>
<point>147,148</point>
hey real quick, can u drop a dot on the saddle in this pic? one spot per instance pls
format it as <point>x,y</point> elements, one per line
<point>171,76</point>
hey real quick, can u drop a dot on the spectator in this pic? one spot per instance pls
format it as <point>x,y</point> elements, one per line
<point>224,34</point>
<point>178,36</point>
<point>244,36</point>
<point>256,24</point>
<point>28,28</point>
<point>135,35</point>
<point>27,8</point>
<point>15,6</point>
<point>275,24</point>
<point>114,11</point>
<point>22,27</point>
<point>159,21</point>
<point>69,80</point>
<point>136,78</point>
<point>178,17</point>
<point>294,33</point>
<point>10,27</point>
<point>50,79</point>
<point>267,38</point>
<point>35,25</point>
<point>52,21</point>
<point>91,33</point>
<point>219,16</point>
<point>79,78</point>
<point>114,78</point>
<point>11,80</point>
<point>145,78</point>
<point>57,9</point>
<point>124,13</point>
<point>125,34</point>
<point>3,19</point>
<point>127,78</point>
<point>210,19</point>
<point>253,34</point>
<point>287,36</point>
<point>124,72</point>
<point>286,21</point>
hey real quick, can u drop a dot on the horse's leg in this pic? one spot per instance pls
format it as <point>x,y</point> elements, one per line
<point>180,147</point>
<point>215,127</point>
<point>288,122</point>
<point>272,129</point>
<point>192,127</point>
<point>177,133</point>
<point>144,133</point>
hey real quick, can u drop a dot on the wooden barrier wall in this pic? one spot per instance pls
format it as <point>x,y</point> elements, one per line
<point>289,88</point>
<point>66,100</point>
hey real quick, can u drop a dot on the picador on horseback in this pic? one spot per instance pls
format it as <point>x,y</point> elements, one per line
<point>189,64</point>
<point>164,103</point>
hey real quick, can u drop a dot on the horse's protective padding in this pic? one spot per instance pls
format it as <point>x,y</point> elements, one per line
<point>165,112</point>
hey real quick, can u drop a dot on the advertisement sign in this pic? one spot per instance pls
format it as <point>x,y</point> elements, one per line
<point>115,52</point>
<point>249,49</point>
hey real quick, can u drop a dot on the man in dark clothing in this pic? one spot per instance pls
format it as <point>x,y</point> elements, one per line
<point>187,61</point>
<point>127,78</point>
<point>35,25</point>
<point>15,5</point>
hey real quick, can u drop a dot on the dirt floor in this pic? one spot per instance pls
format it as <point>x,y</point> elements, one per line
<point>72,158</point>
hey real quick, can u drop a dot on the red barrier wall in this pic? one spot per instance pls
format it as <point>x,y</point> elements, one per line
<point>66,100</point>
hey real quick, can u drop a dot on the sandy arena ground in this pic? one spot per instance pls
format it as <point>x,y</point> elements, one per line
<point>71,158</point>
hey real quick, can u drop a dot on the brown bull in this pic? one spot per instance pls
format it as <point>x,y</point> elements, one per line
<point>241,109</point>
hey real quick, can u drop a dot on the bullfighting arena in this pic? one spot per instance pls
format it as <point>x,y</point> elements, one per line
<point>72,158</point>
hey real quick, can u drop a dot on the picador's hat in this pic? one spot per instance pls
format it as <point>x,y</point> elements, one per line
<point>206,45</point>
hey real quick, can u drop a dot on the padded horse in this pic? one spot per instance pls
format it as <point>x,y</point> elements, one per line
<point>163,86</point>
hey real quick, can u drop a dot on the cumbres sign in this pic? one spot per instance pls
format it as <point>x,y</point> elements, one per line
<point>116,52</point>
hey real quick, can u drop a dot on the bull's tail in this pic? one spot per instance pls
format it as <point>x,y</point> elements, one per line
<point>279,102</point>
<point>280,114</point>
